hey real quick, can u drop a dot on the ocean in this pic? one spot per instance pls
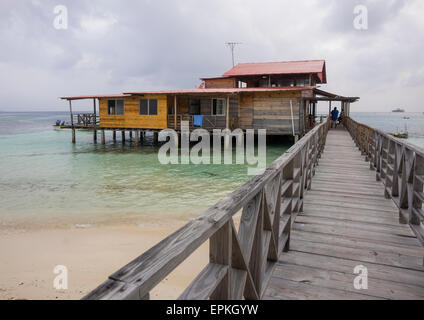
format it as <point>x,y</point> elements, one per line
<point>45,180</point>
<point>393,122</point>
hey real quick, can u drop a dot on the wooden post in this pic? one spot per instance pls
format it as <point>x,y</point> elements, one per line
<point>94,122</point>
<point>155,137</point>
<point>137,137</point>
<point>114,135</point>
<point>220,251</point>
<point>227,113</point>
<point>131,135</point>
<point>123,136</point>
<point>72,121</point>
<point>103,136</point>
<point>175,112</point>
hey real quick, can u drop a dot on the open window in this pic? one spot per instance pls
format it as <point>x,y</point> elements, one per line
<point>115,107</point>
<point>218,106</point>
<point>194,106</point>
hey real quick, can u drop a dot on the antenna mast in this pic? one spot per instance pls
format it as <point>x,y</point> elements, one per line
<point>232,45</point>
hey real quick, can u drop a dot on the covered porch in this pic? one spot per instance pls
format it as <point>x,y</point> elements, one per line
<point>310,104</point>
<point>205,111</point>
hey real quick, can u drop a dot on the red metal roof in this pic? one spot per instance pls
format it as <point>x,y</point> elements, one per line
<point>285,67</point>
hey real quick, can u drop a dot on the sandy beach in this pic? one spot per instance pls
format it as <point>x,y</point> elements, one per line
<point>91,254</point>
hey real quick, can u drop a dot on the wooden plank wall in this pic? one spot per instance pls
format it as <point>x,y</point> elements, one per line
<point>271,111</point>
<point>220,83</point>
<point>131,117</point>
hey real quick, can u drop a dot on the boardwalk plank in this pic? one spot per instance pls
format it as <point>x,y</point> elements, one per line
<point>347,222</point>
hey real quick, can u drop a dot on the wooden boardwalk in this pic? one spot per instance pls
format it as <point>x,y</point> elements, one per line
<point>347,222</point>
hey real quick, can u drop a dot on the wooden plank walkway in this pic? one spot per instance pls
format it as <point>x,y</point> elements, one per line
<point>347,222</point>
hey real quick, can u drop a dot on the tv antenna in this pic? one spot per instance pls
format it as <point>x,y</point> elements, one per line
<point>232,46</point>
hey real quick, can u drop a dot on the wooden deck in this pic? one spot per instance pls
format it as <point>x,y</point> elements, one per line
<point>347,222</point>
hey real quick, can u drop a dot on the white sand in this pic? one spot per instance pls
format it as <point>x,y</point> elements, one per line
<point>27,259</point>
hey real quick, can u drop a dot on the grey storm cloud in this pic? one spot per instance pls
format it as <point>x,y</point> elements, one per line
<point>116,46</point>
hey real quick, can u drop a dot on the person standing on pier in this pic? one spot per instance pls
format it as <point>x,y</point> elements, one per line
<point>334,117</point>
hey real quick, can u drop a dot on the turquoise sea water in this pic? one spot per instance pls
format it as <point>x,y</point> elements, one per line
<point>46,180</point>
<point>392,122</point>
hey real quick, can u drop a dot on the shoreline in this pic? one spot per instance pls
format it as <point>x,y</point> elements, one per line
<point>91,254</point>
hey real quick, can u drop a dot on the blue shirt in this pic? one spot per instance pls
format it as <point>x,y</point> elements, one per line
<point>335,114</point>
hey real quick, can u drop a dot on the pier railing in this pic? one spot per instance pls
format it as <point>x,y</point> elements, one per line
<point>241,260</point>
<point>86,119</point>
<point>400,166</point>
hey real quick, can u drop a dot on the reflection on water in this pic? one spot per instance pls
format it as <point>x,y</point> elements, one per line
<point>44,179</point>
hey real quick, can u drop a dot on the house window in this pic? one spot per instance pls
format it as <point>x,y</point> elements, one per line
<point>264,83</point>
<point>218,107</point>
<point>115,107</point>
<point>194,106</point>
<point>302,82</point>
<point>285,83</point>
<point>149,107</point>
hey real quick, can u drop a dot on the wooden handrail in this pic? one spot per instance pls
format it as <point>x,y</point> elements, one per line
<point>399,165</point>
<point>241,262</point>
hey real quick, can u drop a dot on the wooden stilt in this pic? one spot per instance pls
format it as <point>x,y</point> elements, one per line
<point>137,137</point>
<point>155,137</point>
<point>72,122</point>
<point>131,135</point>
<point>175,112</point>
<point>94,122</point>
<point>123,136</point>
<point>103,136</point>
<point>114,135</point>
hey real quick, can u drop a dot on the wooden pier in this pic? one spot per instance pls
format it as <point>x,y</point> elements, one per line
<point>348,222</point>
<point>336,200</point>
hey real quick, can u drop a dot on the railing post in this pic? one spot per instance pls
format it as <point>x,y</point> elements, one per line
<point>256,264</point>
<point>416,213</point>
<point>287,201</point>
<point>405,202</point>
<point>220,246</point>
<point>418,173</point>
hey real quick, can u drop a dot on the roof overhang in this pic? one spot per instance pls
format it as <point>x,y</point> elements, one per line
<point>114,96</point>
<point>328,96</point>
<point>220,90</point>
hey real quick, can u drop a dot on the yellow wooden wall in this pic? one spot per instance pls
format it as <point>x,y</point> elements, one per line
<point>131,117</point>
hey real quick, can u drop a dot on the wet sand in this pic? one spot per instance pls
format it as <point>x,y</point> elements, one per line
<point>27,259</point>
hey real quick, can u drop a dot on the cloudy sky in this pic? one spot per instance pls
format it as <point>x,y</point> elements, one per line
<point>116,46</point>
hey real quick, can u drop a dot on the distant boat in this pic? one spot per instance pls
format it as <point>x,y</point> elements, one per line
<point>398,110</point>
<point>401,135</point>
